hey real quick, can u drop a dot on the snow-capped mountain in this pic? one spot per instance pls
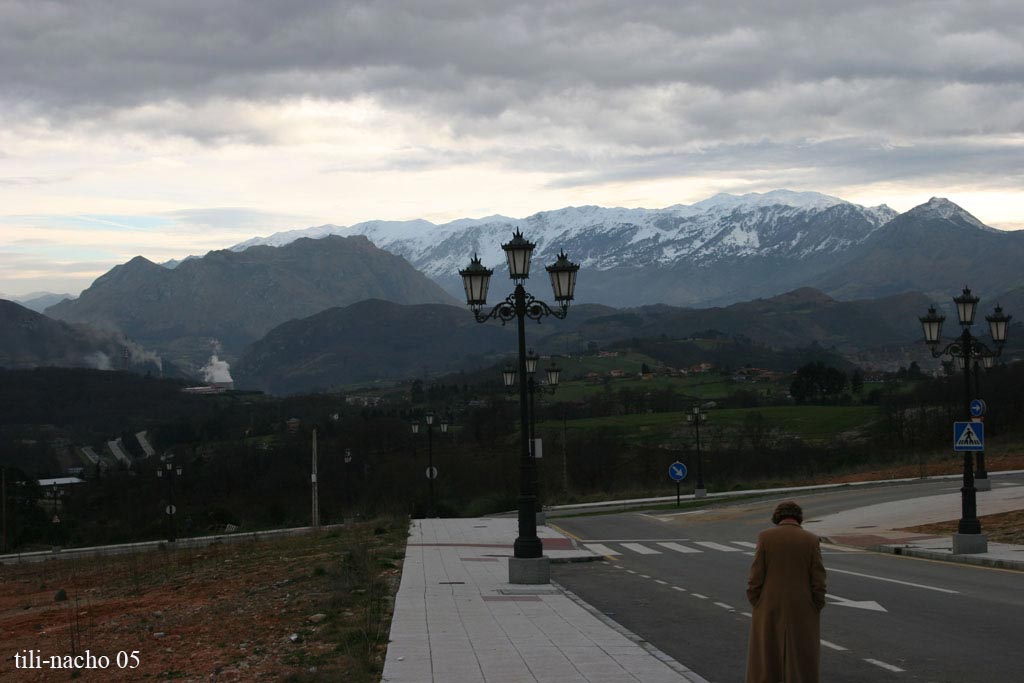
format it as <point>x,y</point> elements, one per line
<point>776,226</point>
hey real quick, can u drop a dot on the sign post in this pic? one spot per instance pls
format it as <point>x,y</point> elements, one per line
<point>677,472</point>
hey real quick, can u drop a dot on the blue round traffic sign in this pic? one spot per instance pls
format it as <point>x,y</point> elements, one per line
<point>677,471</point>
<point>977,407</point>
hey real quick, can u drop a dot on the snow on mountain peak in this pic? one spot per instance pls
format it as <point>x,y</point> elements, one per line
<point>940,207</point>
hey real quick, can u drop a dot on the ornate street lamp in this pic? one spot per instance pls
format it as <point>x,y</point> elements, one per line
<point>967,350</point>
<point>528,564</point>
<point>695,417</point>
<point>533,388</point>
<point>508,376</point>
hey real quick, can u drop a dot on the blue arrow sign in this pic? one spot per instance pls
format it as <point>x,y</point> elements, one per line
<point>677,471</point>
<point>977,408</point>
<point>968,436</point>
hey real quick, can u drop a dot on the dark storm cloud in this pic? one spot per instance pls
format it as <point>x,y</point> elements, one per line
<point>625,84</point>
<point>810,164</point>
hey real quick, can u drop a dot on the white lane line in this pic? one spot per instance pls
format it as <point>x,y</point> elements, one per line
<point>829,546</point>
<point>747,614</point>
<point>631,571</point>
<point>644,576</point>
<point>600,549</point>
<point>680,548</point>
<point>746,544</point>
<point>902,583</point>
<point>668,516</point>
<point>717,546</point>
<point>663,583</point>
<point>887,667</point>
<point>677,588</point>
<point>642,549</point>
<point>725,606</point>
<point>618,566</point>
<point>698,595</point>
<point>838,648</point>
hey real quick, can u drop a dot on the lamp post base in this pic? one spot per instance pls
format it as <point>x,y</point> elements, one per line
<point>532,570</point>
<point>982,484</point>
<point>700,493</point>
<point>969,544</point>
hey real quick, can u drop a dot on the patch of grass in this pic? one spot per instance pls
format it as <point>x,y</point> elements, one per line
<point>687,505</point>
<point>809,423</point>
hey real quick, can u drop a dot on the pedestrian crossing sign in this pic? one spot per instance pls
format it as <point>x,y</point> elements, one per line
<point>968,436</point>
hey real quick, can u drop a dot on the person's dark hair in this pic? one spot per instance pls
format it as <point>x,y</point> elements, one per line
<point>787,509</point>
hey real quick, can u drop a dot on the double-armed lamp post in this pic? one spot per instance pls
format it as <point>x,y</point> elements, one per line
<point>431,472</point>
<point>170,470</point>
<point>528,564</point>
<point>967,349</point>
<point>553,374</point>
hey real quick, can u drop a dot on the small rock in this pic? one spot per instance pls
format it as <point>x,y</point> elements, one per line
<point>159,634</point>
<point>295,637</point>
<point>317,618</point>
<point>158,614</point>
<point>61,596</point>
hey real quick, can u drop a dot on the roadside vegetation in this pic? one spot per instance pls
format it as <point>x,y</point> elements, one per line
<point>305,608</point>
<point>616,422</point>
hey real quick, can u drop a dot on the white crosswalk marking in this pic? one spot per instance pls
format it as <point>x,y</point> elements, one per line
<point>717,546</point>
<point>641,549</point>
<point>600,549</point>
<point>679,548</point>
<point>746,544</point>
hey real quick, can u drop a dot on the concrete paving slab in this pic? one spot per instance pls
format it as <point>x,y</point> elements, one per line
<point>457,619</point>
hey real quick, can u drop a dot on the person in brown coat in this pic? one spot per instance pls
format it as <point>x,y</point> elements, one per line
<point>787,590</point>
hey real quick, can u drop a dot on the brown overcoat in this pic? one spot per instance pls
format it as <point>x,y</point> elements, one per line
<point>787,590</point>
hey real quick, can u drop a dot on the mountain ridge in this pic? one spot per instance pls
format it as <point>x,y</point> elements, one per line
<point>229,299</point>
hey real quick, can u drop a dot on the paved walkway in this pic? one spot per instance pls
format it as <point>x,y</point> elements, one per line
<point>458,620</point>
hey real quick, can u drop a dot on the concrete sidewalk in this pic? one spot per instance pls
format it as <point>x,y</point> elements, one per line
<point>458,620</point>
<point>871,527</point>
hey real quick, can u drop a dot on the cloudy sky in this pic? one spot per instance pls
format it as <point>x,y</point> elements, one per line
<point>169,128</point>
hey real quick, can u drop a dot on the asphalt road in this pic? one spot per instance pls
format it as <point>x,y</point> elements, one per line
<point>889,618</point>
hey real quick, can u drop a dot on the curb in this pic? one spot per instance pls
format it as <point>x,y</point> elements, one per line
<point>923,553</point>
<point>571,560</point>
<point>677,666</point>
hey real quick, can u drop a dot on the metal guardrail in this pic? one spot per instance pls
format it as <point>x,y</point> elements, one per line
<point>149,546</point>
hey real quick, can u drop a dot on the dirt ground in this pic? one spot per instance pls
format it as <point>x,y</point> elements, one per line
<point>264,610</point>
<point>1007,527</point>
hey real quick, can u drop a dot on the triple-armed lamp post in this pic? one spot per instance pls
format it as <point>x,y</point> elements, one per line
<point>431,472</point>
<point>967,349</point>
<point>528,564</point>
<point>696,416</point>
<point>553,374</point>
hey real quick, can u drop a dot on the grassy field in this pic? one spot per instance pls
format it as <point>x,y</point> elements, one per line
<point>810,423</point>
